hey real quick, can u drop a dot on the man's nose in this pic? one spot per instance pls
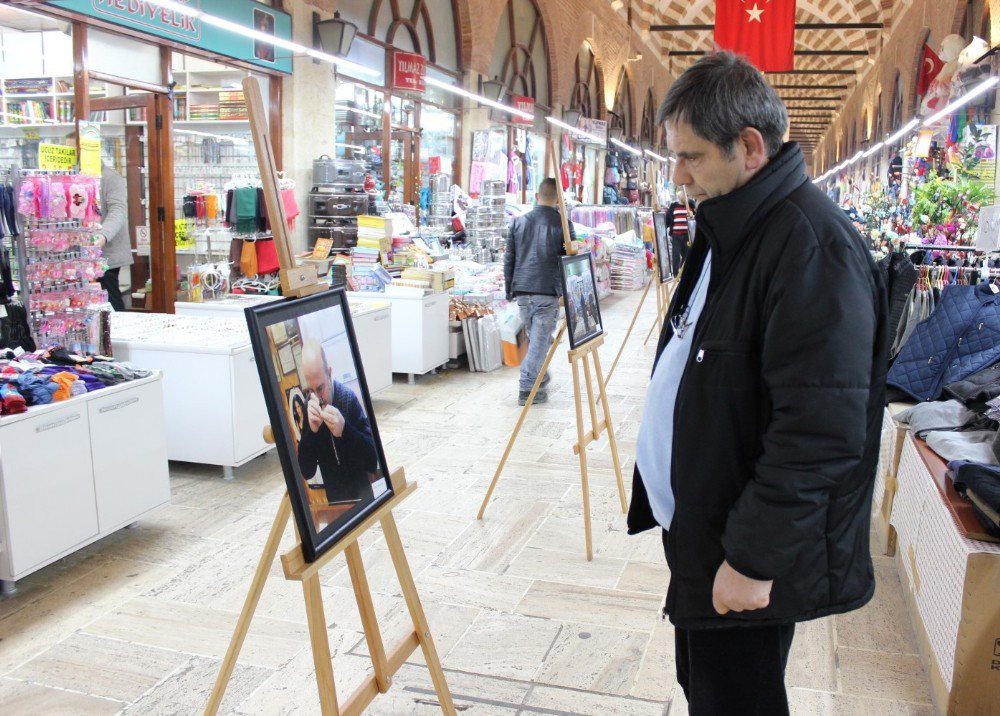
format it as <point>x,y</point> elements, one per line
<point>682,175</point>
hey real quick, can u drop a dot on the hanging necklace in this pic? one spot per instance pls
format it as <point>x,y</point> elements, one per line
<point>681,322</point>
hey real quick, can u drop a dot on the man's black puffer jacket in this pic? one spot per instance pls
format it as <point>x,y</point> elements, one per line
<point>779,410</point>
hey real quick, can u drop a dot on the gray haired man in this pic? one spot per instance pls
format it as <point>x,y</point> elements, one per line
<point>757,449</point>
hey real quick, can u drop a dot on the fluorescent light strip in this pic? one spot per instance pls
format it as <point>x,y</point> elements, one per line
<point>854,159</point>
<point>363,112</point>
<point>627,147</point>
<point>963,100</point>
<point>356,147</point>
<point>656,156</point>
<point>434,82</point>
<point>874,149</point>
<point>579,132</point>
<point>237,29</point>
<point>901,133</point>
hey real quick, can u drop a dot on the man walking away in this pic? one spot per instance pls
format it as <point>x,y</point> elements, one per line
<point>531,274</point>
<point>677,215</point>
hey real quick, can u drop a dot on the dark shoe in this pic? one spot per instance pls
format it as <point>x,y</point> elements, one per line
<point>546,379</point>
<point>540,397</point>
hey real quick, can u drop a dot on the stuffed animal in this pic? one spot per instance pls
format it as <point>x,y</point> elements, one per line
<point>58,200</point>
<point>79,201</point>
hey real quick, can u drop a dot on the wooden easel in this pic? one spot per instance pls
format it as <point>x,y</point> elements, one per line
<point>297,569</point>
<point>296,281</point>
<point>585,355</point>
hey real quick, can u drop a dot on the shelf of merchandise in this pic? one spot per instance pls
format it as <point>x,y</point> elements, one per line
<point>51,98</point>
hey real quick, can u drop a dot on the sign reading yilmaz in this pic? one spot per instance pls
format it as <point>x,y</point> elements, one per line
<point>152,19</point>
<point>408,71</point>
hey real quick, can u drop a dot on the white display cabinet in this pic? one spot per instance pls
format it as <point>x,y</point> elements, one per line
<point>214,405</point>
<point>372,325</point>
<point>75,471</point>
<point>419,330</point>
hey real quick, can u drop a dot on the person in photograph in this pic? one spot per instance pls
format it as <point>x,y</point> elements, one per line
<point>531,275</point>
<point>336,437</point>
<point>757,449</point>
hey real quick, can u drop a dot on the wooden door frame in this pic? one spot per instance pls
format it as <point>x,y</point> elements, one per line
<point>160,200</point>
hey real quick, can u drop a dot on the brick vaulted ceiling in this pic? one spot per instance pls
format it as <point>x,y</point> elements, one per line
<point>828,60</point>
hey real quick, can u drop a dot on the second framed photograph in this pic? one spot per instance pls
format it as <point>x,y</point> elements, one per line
<point>583,312</point>
<point>321,415</point>
<point>664,260</point>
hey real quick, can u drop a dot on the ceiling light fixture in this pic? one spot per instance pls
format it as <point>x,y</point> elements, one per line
<point>963,100</point>
<point>579,132</point>
<point>434,82</point>
<point>902,132</point>
<point>626,147</point>
<point>656,156</point>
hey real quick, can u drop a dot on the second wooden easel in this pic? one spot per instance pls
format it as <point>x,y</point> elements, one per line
<point>588,357</point>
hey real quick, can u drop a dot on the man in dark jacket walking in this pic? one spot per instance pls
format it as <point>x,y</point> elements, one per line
<point>531,274</point>
<point>757,450</point>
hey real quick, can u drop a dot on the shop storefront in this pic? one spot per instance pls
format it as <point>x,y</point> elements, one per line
<point>162,91</point>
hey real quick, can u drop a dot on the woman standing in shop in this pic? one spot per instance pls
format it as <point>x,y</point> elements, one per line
<point>114,228</point>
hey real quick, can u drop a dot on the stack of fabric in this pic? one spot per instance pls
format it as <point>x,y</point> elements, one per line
<point>54,375</point>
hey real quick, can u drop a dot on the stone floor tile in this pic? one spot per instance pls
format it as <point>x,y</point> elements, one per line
<point>484,590</point>
<point>503,645</point>
<point>565,533</point>
<point>884,623</point>
<point>594,658</point>
<point>883,675</point>
<point>492,543</point>
<point>824,703</point>
<point>569,701</point>
<point>590,605</point>
<point>109,668</point>
<point>473,695</point>
<point>644,577</point>
<point>812,662</point>
<point>573,568</point>
<point>448,623</point>
<point>22,699</point>
<point>188,689</point>
<point>657,675</point>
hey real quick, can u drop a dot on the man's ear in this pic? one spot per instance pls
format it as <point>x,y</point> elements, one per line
<point>755,148</point>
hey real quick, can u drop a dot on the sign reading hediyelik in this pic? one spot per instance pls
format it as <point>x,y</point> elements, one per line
<point>153,19</point>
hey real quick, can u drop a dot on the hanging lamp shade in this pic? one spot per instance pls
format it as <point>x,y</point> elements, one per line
<point>335,35</point>
<point>494,89</point>
<point>572,117</point>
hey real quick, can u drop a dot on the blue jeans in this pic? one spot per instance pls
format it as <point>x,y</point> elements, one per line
<point>538,314</point>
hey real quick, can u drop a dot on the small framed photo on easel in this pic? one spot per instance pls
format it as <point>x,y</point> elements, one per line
<point>321,415</point>
<point>663,248</point>
<point>583,311</point>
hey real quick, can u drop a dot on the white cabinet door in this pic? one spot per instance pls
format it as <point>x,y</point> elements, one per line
<point>48,486</point>
<point>249,411</point>
<point>435,333</point>
<point>130,454</point>
<point>374,332</point>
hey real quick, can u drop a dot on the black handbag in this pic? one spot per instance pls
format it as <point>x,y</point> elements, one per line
<point>14,329</point>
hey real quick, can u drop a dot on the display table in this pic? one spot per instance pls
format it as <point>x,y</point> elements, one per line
<point>213,402</point>
<point>231,306</point>
<point>419,329</point>
<point>75,471</point>
<point>951,581</point>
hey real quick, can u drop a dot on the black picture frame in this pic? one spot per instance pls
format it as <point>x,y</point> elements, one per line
<point>325,510</point>
<point>664,251</point>
<point>583,307</point>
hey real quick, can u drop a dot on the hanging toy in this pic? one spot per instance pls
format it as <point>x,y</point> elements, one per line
<point>92,214</point>
<point>44,198</point>
<point>78,201</point>
<point>26,198</point>
<point>58,201</point>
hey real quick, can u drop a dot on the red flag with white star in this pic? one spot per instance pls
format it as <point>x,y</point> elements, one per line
<point>763,30</point>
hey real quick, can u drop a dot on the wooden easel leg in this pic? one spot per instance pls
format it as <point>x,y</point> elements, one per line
<point>423,631</point>
<point>635,316</point>
<point>591,398</point>
<point>366,607</point>
<point>520,419</point>
<point>611,432</point>
<point>584,483</point>
<point>654,327</point>
<point>249,606</point>
<point>322,659</point>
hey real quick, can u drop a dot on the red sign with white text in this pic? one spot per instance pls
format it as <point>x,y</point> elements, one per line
<point>525,104</point>
<point>408,71</point>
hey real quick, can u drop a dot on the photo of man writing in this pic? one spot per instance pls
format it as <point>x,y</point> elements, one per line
<point>336,438</point>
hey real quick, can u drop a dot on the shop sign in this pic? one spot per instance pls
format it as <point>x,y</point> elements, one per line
<point>597,127</point>
<point>525,104</point>
<point>90,149</point>
<point>142,241</point>
<point>408,71</point>
<point>434,165</point>
<point>56,157</point>
<point>981,143</point>
<point>152,19</point>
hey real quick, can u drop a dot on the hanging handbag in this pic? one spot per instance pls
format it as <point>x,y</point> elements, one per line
<point>248,258</point>
<point>267,256</point>
<point>14,329</point>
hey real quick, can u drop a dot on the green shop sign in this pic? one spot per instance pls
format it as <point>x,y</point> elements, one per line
<point>152,19</point>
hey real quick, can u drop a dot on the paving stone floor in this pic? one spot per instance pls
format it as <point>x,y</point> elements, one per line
<point>139,621</point>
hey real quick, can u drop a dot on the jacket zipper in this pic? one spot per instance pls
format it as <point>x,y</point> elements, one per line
<point>953,351</point>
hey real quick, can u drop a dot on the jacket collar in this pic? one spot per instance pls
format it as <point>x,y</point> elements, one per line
<point>729,219</point>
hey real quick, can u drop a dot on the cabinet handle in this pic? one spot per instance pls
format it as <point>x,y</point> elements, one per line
<point>381,318</point>
<point>116,406</point>
<point>58,423</point>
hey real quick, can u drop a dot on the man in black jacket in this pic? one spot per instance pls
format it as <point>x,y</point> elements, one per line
<point>336,437</point>
<point>531,274</point>
<point>758,445</point>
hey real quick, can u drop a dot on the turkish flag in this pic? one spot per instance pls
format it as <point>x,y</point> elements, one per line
<point>930,67</point>
<point>763,30</point>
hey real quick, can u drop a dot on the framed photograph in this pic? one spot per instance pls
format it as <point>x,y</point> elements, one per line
<point>263,22</point>
<point>664,259</point>
<point>583,311</point>
<point>321,415</point>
